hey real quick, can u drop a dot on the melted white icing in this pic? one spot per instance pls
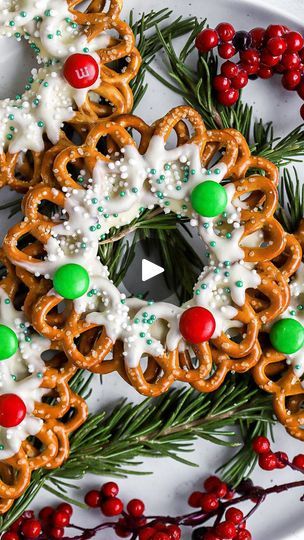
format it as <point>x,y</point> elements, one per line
<point>49,28</point>
<point>21,374</point>
<point>149,328</point>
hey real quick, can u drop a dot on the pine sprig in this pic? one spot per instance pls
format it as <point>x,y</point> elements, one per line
<point>291,210</point>
<point>112,444</point>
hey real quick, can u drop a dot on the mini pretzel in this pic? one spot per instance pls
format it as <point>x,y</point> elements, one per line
<point>261,242</point>
<point>49,447</point>
<point>106,40</point>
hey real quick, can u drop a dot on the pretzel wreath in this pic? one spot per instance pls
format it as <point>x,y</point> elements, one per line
<point>279,373</point>
<point>87,60</point>
<point>245,279</point>
<point>49,420</point>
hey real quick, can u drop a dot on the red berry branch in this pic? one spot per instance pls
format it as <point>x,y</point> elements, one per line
<point>216,515</point>
<point>262,53</point>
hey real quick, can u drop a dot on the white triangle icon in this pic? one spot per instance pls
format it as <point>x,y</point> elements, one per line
<point>150,270</point>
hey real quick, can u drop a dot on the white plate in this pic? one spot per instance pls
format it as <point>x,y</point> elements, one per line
<point>281,517</point>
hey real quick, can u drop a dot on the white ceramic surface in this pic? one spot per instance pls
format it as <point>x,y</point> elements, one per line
<point>167,489</point>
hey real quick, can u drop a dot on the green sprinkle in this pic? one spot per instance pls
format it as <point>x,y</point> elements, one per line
<point>1,447</point>
<point>206,225</point>
<point>106,216</point>
<point>47,13</point>
<point>193,171</point>
<point>122,193</point>
<point>14,377</point>
<point>23,13</point>
<point>58,33</point>
<point>9,136</point>
<point>292,312</point>
<point>40,124</point>
<point>213,243</point>
<point>28,339</point>
<point>300,307</point>
<point>153,171</point>
<point>134,190</point>
<point>98,226</point>
<point>45,84</point>
<point>17,35</point>
<point>39,375</point>
<point>228,235</point>
<point>86,50</point>
<point>167,203</point>
<point>204,286</point>
<point>178,188</point>
<point>50,36</point>
<point>136,321</point>
<point>94,201</point>
<point>216,270</point>
<point>217,171</point>
<point>197,291</point>
<point>167,167</point>
<point>7,301</point>
<point>142,334</point>
<point>149,341</point>
<point>83,245</point>
<point>100,209</point>
<point>12,23</point>
<point>226,274</point>
<point>122,301</point>
<point>239,283</point>
<point>227,264</point>
<point>92,228</point>
<point>227,290</point>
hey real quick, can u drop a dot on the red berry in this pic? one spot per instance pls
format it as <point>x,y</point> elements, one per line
<point>12,410</point>
<point>265,72</point>
<point>294,41</point>
<point>229,69</point>
<point>206,40</point>
<point>251,69</point>
<point>244,535</point>
<point>268,59</point>
<point>221,490</point>
<point>161,536</point>
<point>197,324</point>
<point>291,79</point>
<point>136,507</point>
<point>282,459</point>
<point>15,527</point>
<point>195,499</point>
<point>291,60</point>
<point>31,528</point>
<point>261,445</point>
<point>146,534</point>
<point>241,80</point>
<point>122,530</point>
<point>226,530</point>
<point>226,50</point>
<point>298,461</point>
<point>212,483</point>
<point>109,489</point>
<point>46,513</point>
<point>229,495</point>
<point>60,519</point>
<point>268,462</point>
<point>275,30</point>
<point>111,507</point>
<point>225,31</point>
<point>235,515</point>
<point>65,507</point>
<point>93,498</point>
<point>56,533</point>
<point>257,35</point>
<point>209,502</point>
<point>228,97</point>
<point>300,89</point>
<point>220,83</point>
<point>174,532</point>
<point>251,56</point>
<point>209,535</point>
<point>276,46</point>
<point>10,536</point>
<point>81,70</point>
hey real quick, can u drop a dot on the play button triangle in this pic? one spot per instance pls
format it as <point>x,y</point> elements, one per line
<point>149,270</point>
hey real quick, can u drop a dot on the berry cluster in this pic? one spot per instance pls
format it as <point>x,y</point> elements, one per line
<point>50,524</point>
<point>233,524</point>
<point>133,519</point>
<point>263,52</point>
<point>269,460</point>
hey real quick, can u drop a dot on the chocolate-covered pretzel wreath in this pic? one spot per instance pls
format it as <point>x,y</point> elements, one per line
<point>86,62</point>
<point>35,397</point>
<point>109,181</point>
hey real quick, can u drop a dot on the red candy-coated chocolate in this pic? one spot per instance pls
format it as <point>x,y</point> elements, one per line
<point>197,324</point>
<point>81,70</point>
<point>12,410</point>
